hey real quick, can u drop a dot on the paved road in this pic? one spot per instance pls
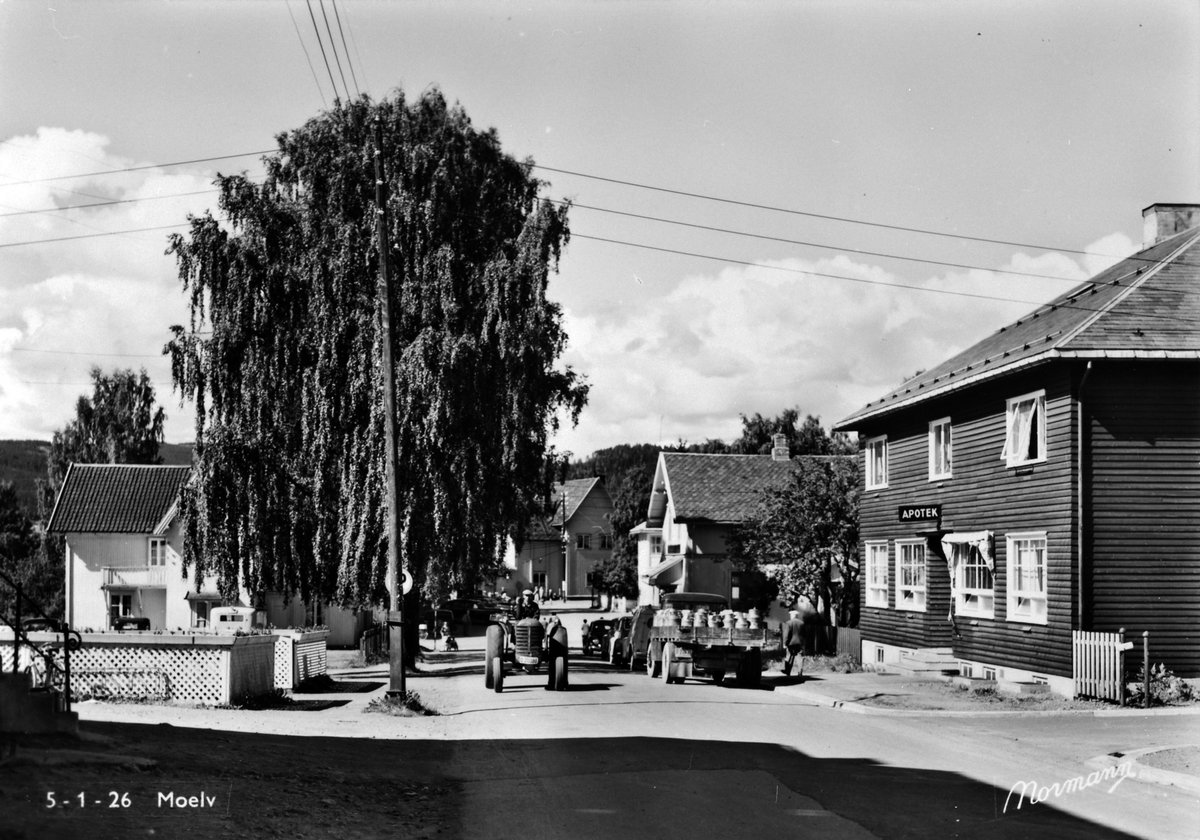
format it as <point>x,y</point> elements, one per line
<point>623,755</point>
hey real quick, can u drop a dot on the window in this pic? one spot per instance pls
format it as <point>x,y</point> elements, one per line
<point>1025,440</point>
<point>157,551</point>
<point>539,580</point>
<point>939,448</point>
<point>606,541</point>
<point>583,540</point>
<point>877,466</point>
<point>1027,578</point>
<point>119,605</point>
<point>656,545</point>
<point>877,574</point>
<point>910,576</point>
<point>973,585</point>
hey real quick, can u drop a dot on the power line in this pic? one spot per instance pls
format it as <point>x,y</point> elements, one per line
<point>345,49</point>
<point>90,235</point>
<point>136,168</point>
<point>307,57</point>
<point>813,215</point>
<point>813,244</point>
<point>324,57</point>
<point>333,47</point>
<point>709,257</point>
<point>354,41</point>
<point>106,203</point>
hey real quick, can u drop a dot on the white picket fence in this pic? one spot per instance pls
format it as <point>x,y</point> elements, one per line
<point>1097,666</point>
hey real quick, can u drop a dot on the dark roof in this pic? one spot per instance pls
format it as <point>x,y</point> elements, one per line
<point>116,498</point>
<point>569,495</point>
<point>720,488</point>
<point>1146,306</point>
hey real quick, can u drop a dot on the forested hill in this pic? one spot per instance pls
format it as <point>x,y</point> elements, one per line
<point>23,462</point>
<point>613,462</point>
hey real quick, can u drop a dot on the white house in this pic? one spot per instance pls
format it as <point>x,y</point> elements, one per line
<point>123,547</point>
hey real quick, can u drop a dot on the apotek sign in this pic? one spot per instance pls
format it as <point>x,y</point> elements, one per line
<point>920,513</point>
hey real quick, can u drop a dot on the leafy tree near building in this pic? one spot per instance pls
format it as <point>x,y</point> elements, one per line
<point>19,557</point>
<point>631,498</point>
<point>804,535</point>
<point>283,353</point>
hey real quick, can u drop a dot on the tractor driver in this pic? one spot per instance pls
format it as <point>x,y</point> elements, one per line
<point>527,607</point>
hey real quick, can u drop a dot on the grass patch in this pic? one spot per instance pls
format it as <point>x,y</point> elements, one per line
<point>409,705</point>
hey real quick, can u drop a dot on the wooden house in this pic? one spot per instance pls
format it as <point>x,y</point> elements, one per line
<point>1045,480</point>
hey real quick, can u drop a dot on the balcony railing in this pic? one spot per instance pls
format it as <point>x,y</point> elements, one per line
<point>135,577</point>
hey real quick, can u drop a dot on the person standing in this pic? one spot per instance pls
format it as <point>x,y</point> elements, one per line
<point>793,642</point>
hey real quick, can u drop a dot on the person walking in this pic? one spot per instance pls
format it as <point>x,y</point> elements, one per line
<point>793,641</point>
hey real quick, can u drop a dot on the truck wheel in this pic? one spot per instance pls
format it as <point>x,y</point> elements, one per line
<point>668,663</point>
<point>653,666</point>
<point>497,674</point>
<point>494,650</point>
<point>718,677</point>
<point>754,668</point>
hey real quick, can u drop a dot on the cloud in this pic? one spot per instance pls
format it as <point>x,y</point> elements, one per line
<point>105,300</point>
<point>767,337</point>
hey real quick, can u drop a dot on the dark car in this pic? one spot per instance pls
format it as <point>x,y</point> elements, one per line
<point>42,625</point>
<point>596,638</point>
<point>463,613</point>
<point>630,636</point>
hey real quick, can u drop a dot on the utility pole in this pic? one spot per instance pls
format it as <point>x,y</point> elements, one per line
<point>396,686</point>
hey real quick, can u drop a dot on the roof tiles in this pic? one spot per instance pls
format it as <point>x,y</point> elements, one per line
<point>116,498</point>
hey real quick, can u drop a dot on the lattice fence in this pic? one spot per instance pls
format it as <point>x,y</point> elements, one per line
<point>185,672</point>
<point>120,685</point>
<point>299,656</point>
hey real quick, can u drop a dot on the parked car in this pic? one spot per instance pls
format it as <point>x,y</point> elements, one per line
<point>42,625</point>
<point>467,612</point>
<point>596,638</point>
<point>631,637</point>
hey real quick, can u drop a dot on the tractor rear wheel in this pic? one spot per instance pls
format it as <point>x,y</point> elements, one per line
<point>497,673</point>
<point>560,673</point>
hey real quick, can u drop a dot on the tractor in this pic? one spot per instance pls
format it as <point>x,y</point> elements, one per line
<point>525,645</point>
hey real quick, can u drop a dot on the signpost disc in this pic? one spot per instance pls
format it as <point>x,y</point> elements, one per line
<point>406,582</point>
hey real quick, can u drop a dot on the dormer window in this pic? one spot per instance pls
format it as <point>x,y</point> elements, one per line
<point>1025,419</point>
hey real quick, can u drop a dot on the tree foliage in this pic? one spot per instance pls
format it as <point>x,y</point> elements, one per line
<point>805,530</point>
<point>631,498</point>
<point>804,438</point>
<point>290,488</point>
<point>19,557</point>
<point>119,424</point>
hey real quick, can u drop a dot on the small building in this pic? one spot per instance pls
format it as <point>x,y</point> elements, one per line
<point>124,551</point>
<point>123,548</point>
<point>649,552</point>
<point>1046,480</point>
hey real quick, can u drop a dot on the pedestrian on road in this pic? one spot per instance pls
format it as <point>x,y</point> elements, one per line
<point>793,640</point>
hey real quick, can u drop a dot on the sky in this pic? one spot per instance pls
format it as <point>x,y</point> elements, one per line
<point>775,204</point>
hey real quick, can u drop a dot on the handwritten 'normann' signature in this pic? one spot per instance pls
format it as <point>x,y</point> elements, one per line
<point>1036,793</point>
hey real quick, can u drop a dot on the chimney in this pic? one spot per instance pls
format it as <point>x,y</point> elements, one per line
<point>781,450</point>
<point>1160,221</point>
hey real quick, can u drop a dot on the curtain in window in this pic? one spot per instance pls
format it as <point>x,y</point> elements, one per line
<point>1026,416</point>
<point>953,544</point>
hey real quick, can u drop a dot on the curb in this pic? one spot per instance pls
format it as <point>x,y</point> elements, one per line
<point>1146,773</point>
<point>854,707</point>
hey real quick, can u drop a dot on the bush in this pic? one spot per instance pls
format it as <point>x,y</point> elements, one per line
<point>1165,688</point>
<point>408,706</point>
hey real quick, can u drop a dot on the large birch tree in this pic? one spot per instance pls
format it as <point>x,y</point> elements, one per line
<point>282,356</point>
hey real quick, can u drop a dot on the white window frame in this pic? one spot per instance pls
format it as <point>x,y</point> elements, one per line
<point>156,551</point>
<point>1013,454</point>
<point>656,545</point>
<point>877,574</point>
<point>944,447</point>
<point>973,600</point>
<point>583,541</point>
<point>877,479</point>
<point>911,596</point>
<point>1026,606</point>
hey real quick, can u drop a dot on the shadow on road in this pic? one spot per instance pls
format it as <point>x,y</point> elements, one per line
<point>266,785</point>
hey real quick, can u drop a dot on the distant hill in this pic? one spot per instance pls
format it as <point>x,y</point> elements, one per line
<point>23,462</point>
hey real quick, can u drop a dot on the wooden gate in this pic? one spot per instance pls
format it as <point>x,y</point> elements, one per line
<point>1098,664</point>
